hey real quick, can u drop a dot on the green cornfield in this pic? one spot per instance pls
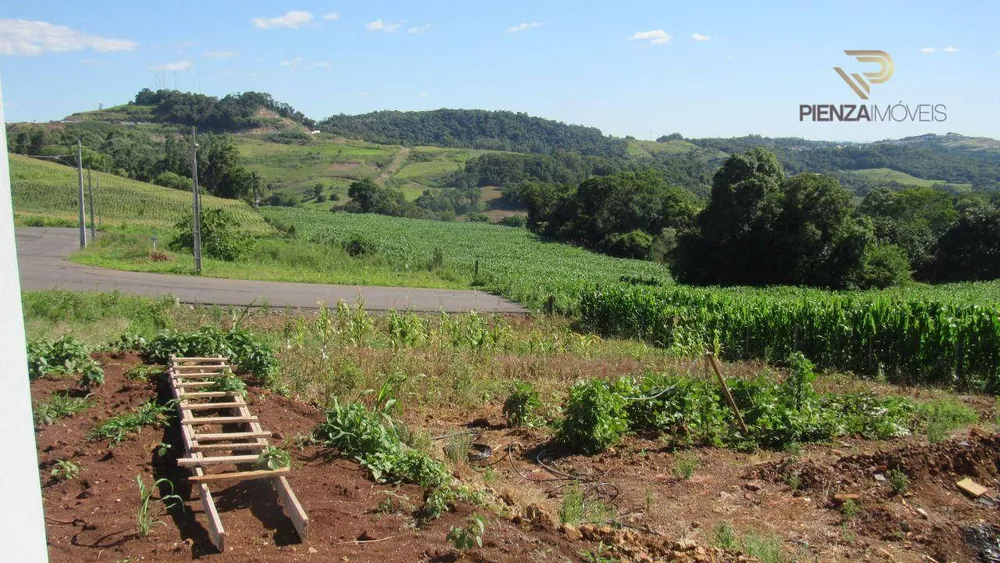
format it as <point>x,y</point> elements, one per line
<point>513,262</point>
<point>942,335</point>
<point>47,190</point>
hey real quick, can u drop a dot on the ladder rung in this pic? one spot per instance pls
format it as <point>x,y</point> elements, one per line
<point>227,446</point>
<point>183,384</point>
<point>211,406</point>
<point>218,460</point>
<point>243,475</point>
<point>179,376</point>
<point>205,394</point>
<point>229,436</point>
<point>179,360</point>
<point>218,420</point>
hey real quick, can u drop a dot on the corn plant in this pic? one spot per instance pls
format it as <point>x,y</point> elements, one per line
<point>144,517</point>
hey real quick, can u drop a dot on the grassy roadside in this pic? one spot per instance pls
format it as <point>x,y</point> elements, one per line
<point>270,260</point>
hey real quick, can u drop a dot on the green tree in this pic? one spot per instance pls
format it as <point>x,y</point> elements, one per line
<point>970,249</point>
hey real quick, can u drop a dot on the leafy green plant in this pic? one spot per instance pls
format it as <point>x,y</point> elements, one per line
<point>118,428</point>
<point>595,416</point>
<point>898,481</point>
<point>162,449</point>
<point>60,405</point>
<point>272,457</point>
<point>521,406</point>
<point>221,236</point>
<point>64,470</point>
<point>370,437</point>
<point>144,517</point>
<point>63,357</point>
<point>229,382</point>
<point>142,372</point>
<point>128,342</point>
<point>468,536</point>
<point>245,350</point>
<point>91,374</point>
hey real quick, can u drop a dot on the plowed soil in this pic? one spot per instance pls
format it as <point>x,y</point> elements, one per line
<point>660,514</point>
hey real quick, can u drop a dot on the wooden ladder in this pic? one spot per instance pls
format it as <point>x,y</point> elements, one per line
<point>229,411</point>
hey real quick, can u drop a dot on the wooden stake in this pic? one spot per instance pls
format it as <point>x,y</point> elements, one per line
<point>710,359</point>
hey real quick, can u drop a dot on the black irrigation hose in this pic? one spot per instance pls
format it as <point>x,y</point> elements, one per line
<point>594,487</point>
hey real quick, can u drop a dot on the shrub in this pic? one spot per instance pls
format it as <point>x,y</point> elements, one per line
<point>898,481</point>
<point>360,245</point>
<point>595,416</point>
<point>944,416</point>
<point>175,181</point>
<point>516,221</point>
<point>882,266</point>
<point>221,236</point>
<point>66,355</point>
<point>633,244</point>
<point>520,406</point>
<point>479,218</point>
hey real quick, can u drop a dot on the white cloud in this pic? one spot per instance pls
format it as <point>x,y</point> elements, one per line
<point>950,49</point>
<point>656,36</point>
<point>23,37</point>
<point>291,20</point>
<point>928,50</point>
<point>332,16</point>
<point>220,54</point>
<point>523,26</point>
<point>179,65</point>
<point>419,28</point>
<point>379,25</point>
<point>700,37</point>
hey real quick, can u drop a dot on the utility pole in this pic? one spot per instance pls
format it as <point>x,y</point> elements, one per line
<point>196,228</point>
<point>79,173</point>
<point>90,195</point>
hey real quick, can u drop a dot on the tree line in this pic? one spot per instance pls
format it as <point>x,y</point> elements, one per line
<point>478,129</point>
<point>233,112</point>
<point>134,154</point>
<point>762,227</point>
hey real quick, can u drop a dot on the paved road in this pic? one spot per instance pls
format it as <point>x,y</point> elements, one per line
<point>42,252</point>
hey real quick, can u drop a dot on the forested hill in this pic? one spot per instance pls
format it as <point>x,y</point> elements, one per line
<point>949,158</point>
<point>478,129</point>
<point>234,112</point>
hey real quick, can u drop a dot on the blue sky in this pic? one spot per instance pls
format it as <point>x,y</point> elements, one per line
<point>630,68</point>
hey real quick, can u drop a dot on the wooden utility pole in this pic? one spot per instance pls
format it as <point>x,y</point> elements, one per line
<point>79,173</point>
<point>90,195</point>
<point>710,359</point>
<point>196,228</point>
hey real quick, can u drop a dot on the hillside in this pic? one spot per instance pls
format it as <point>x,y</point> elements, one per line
<point>234,112</point>
<point>45,192</point>
<point>477,129</point>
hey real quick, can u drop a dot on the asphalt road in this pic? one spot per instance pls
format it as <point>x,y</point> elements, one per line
<point>42,252</point>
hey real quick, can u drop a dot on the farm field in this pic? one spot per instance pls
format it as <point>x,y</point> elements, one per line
<point>513,263</point>
<point>665,486</point>
<point>45,193</point>
<point>885,176</point>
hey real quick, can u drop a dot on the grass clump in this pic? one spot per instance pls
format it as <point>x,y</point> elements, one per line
<point>576,508</point>
<point>521,406</point>
<point>684,467</point>
<point>943,416</point>
<point>898,481</point>
<point>60,405</point>
<point>766,548</point>
<point>120,427</point>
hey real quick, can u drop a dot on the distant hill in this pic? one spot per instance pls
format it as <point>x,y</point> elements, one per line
<point>45,193</point>
<point>233,113</point>
<point>476,129</point>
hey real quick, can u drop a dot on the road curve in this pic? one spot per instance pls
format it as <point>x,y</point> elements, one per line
<point>42,252</point>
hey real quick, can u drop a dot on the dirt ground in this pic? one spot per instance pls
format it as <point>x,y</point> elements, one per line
<point>659,514</point>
